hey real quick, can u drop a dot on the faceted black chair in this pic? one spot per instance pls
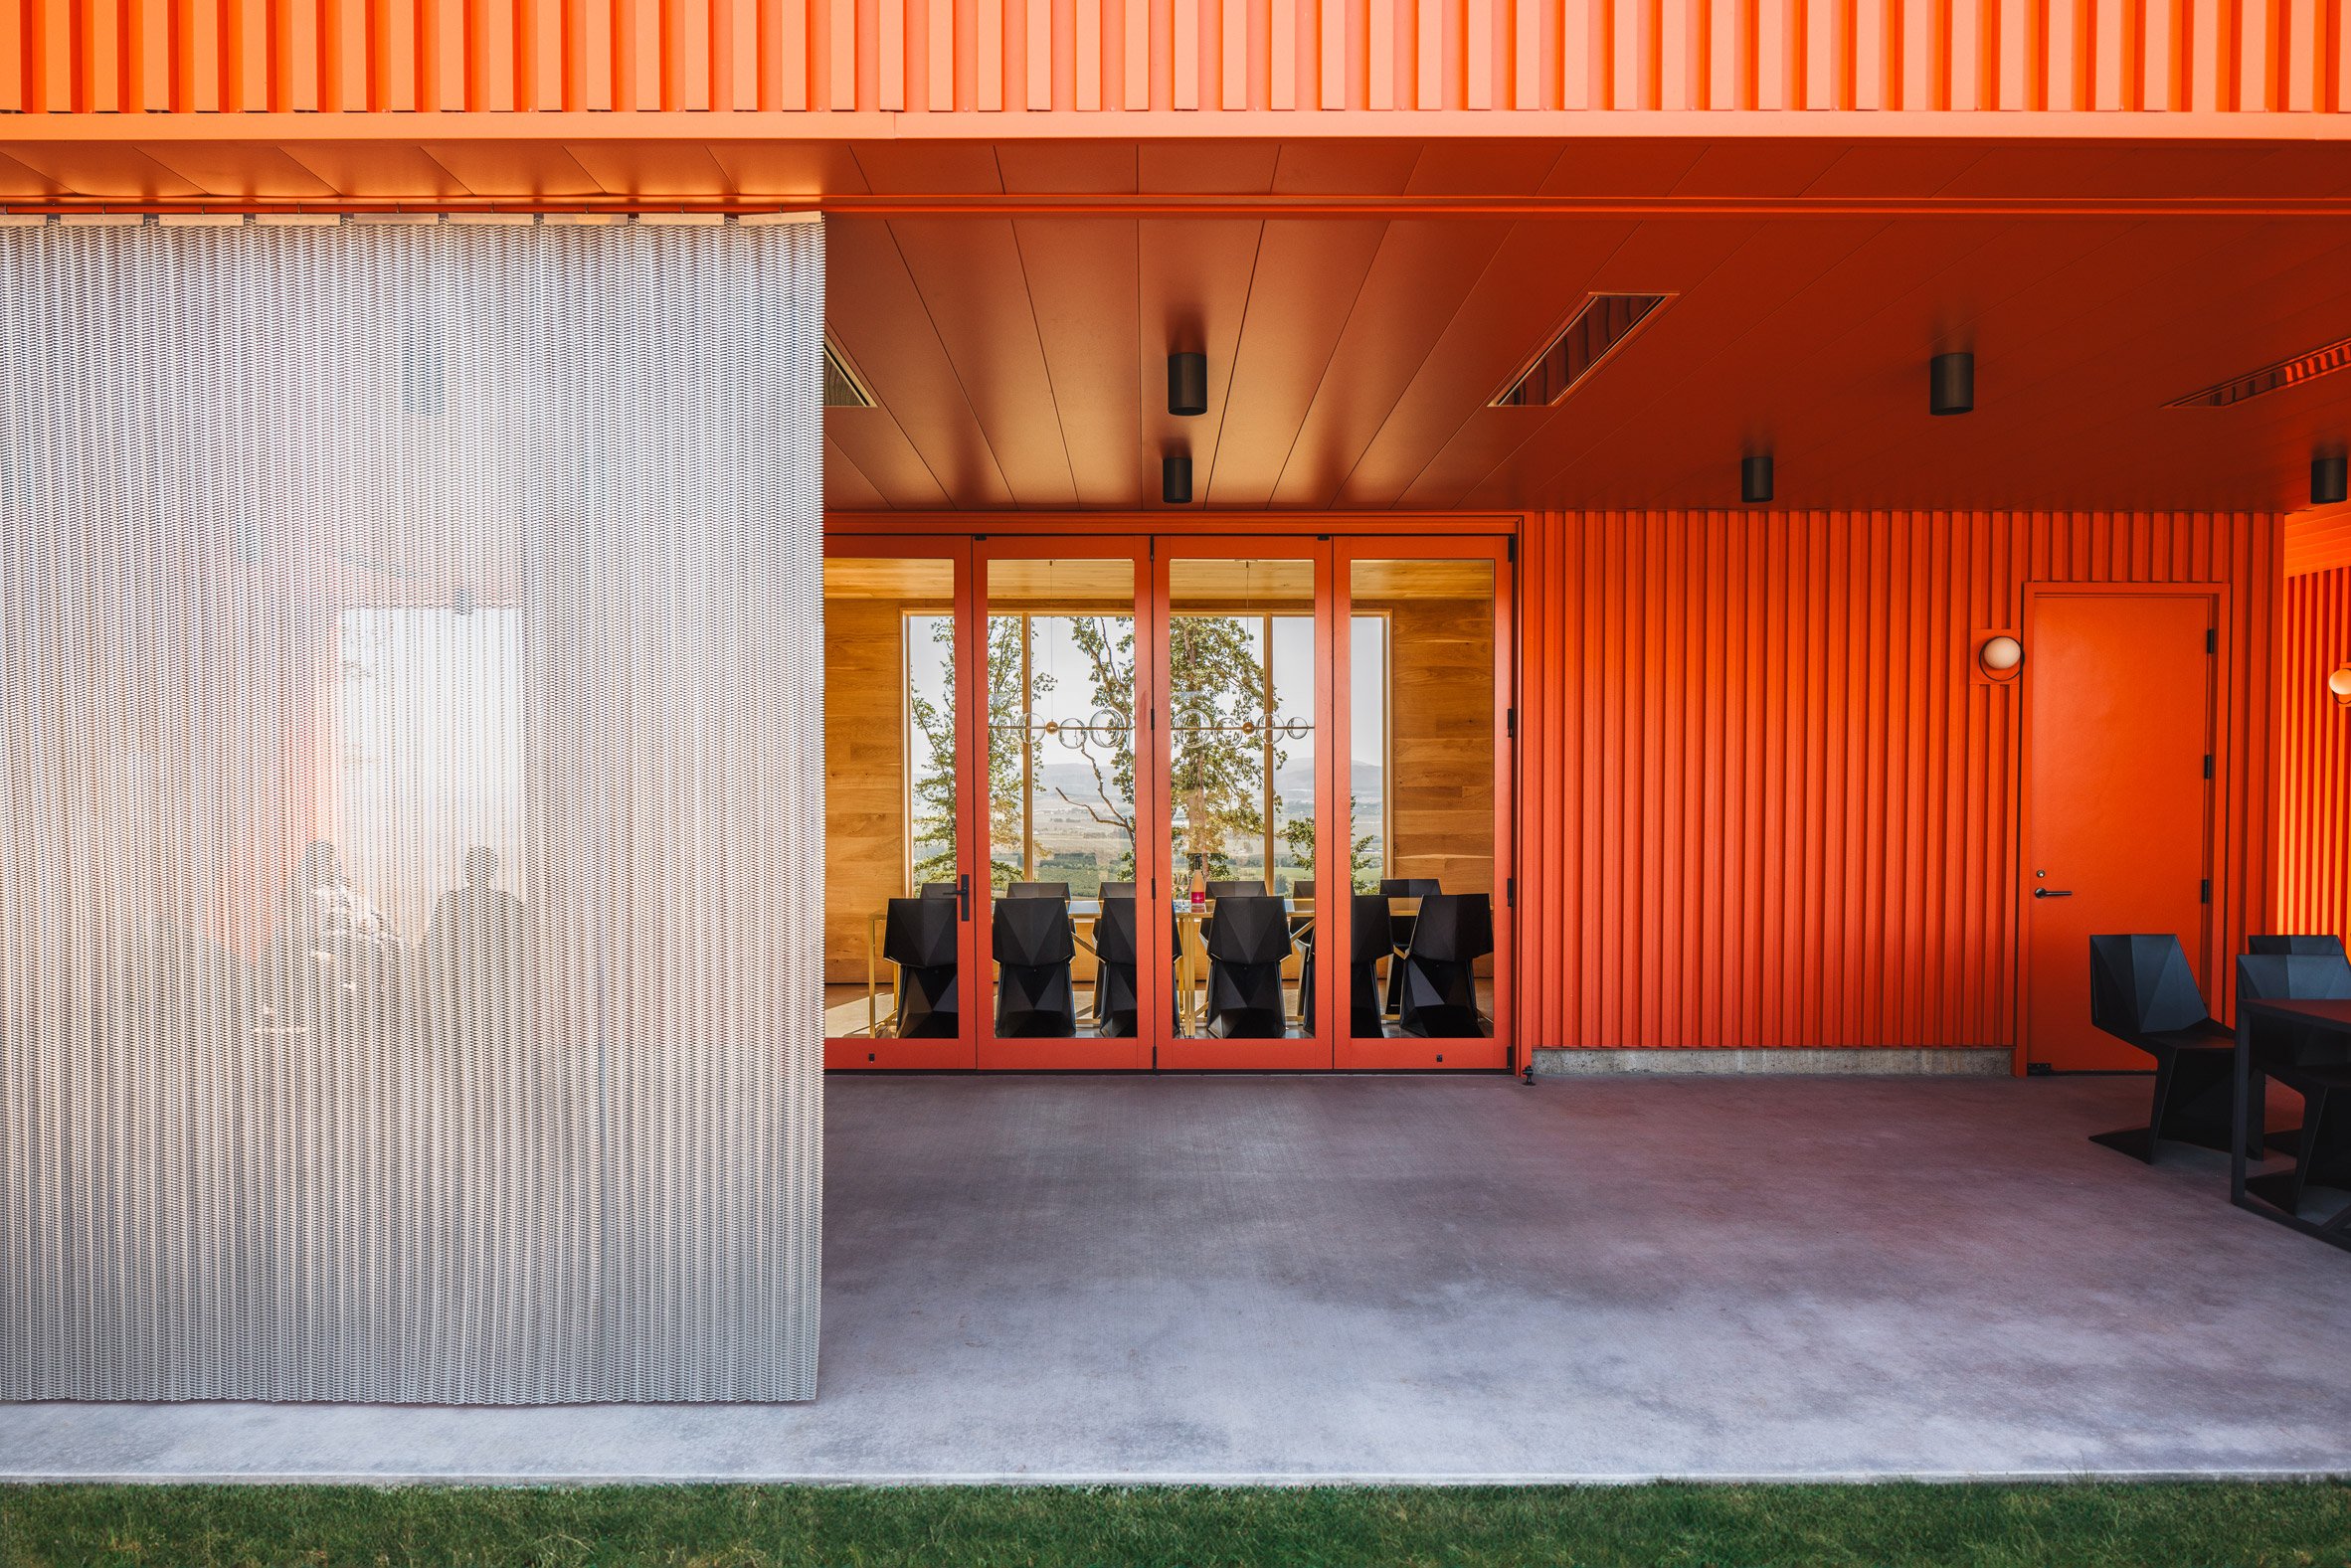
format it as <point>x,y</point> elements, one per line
<point>1370,939</point>
<point>1401,927</point>
<point>2297,947</point>
<point>1454,930</point>
<point>1033,944</point>
<point>1059,890</point>
<point>1220,891</point>
<point>1116,1006</point>
<point>939,890</point>
<point>2312,1063</point>
<point>918,935</point>
<point>1247,944</point>
<point>2142,993</point>
<point>1112,889</point>
<point>1301,937</point>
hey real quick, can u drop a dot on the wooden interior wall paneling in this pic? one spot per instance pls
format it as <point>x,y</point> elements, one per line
<point>864,774</point>
<point>1440,750</point>
<point>1767,804</point>
<point>1472,57</point>
<point>2314,758</point>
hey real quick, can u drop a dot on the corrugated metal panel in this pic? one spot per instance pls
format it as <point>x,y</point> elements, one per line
<point>2318,541</point>
<point>2314,758</point>
<point>267,1130</point>
<point>1766,800</point>
<point>198,55</point>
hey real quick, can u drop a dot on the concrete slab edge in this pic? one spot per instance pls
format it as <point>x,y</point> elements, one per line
<point>1282,1480</point>
<point>1930,1061</point>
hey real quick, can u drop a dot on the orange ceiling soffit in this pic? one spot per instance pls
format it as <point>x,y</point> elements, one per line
<point>1179,205</point>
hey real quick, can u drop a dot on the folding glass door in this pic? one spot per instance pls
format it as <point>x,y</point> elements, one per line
<point>1198,803</point>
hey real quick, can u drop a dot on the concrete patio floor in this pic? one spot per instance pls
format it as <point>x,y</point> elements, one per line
<point>1181,1279</point>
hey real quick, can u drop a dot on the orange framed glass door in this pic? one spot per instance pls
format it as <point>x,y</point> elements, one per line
<point>900,946</point>
<point>1422,638</point>
<point>1241,789</point>
<point>1056,804</point>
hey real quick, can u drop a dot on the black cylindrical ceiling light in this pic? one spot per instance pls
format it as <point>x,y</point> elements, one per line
<point>1187,384</point>
<point>1950,384</point>
<point>1175,479</point>
<point>1754,478</point>
<point>2328,478</point>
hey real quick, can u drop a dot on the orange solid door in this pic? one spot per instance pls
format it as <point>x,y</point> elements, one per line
<point>2119,705</point>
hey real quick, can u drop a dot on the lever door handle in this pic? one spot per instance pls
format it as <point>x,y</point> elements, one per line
<point>963,894</point>
<point>2052,893</point>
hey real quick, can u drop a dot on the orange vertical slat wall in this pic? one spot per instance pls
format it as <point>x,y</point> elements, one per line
<point>1099,57</point>
<point>2314,758</point>
<point>1767,801</point>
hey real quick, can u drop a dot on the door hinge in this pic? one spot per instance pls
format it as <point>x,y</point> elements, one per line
<point>2208,765</point>
<point>1511,549</point>
<point>2212,639</point>
<point>2204,891</point>
<point>1510,723</point>
<point>1509,893</point>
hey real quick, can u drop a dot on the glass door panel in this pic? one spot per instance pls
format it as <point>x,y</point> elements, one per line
<point>1423,732</point>
<point>1245,647</point>
<point>1063,864</point>
<point>897,894</point>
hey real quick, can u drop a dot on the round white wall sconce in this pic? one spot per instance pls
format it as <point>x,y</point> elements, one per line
<point>1999,657</point>
<point>2338,686</point>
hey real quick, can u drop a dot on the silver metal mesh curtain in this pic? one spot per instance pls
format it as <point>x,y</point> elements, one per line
<point>411,811</point>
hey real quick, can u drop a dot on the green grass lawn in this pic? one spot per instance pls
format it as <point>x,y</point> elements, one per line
<point>2069,1525</point>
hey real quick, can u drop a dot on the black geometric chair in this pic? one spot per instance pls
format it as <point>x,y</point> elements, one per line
<point>1301,937</point>
<point>1400,927</point>
<point>1219,891</point>
<point>1059,890</point>
<point>2142,993</point>
<point>918,935</point>
<point>1116,1006</point>
<point>1370,939</point>
<point>939,890</point>
<point>2313,1063</point>
<point>1033,944</point>
<point>1247,943</point>
<point>1118,890</point>
<point>2295,947</point>
<point>1453,932</point>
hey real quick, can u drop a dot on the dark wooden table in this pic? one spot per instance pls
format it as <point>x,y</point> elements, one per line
<point>2331,1017</point>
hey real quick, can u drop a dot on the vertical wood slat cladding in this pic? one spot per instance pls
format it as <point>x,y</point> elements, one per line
<point>2314,758</point>
<point>1767,802</point>
<point>1473,55</point>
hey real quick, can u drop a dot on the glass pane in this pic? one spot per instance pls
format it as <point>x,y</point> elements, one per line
<point>889,798</point>
<point>1061,797</point>
<point>1241,794</point>
<point>1420,684</point>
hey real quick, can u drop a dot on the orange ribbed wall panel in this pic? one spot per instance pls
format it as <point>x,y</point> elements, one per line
<point>1076,61</point>
<point>2314,758</point>
<point>1765,799</point>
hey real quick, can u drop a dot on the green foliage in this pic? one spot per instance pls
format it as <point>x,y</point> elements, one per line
<point>1890,1525</point>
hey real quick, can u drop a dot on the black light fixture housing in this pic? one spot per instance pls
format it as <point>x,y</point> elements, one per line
<point>2330,480</point>
<point>1950,384</point>
<point>1754,478</point>
<point>1175,479</point>
<point>1187,384</point>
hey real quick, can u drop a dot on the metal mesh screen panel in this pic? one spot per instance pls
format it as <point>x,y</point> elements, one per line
<point>410,812</point>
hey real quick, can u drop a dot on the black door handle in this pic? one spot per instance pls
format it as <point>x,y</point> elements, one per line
<point>2052,893</point>
<point>963,894</point>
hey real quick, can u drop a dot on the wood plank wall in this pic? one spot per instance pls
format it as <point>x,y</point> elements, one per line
<point>1767,802</point>
<point>1092,57</point>
<point>2314,759</point>
<point>864,774</point>
<point>1440,780</point>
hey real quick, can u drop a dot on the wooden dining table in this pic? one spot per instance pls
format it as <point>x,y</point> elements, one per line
<point>1190,952</point>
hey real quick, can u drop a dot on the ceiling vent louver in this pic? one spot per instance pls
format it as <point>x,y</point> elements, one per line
<point>844,386</point>
<point>1597,330</point>
<point>2321,361</point>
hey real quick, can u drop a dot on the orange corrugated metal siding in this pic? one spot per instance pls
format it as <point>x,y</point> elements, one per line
<point>1766,803</point>
<point>2314,758</point>
<point>1103,55</point>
